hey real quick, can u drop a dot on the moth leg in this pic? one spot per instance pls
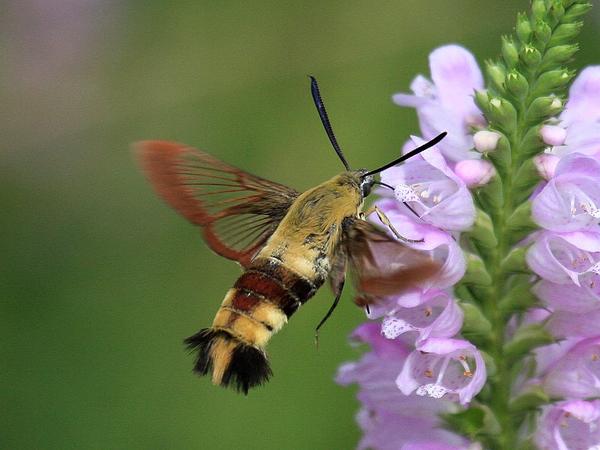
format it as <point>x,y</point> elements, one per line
<point>338,294</point>
<point>384,219</point>
<point>373,209</point>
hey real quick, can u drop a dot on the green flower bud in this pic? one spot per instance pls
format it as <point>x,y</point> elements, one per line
<point>523,28</point>
<point>542,32</point>
<point>531,56</point>
<point>538,8</point>
<point>482,100</point>
<point>502,114</point>
<point>543,107</point>
<point>496,73</point>
<point>510,52</point>
<point>557,10</point>
<point>517,84</point>
<point>576,11</point>
<point>552,81</point>
<point>565,33</point>
<point>556,56</point>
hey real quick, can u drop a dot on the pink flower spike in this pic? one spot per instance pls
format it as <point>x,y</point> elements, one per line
<point>486,141</point>
<point>475,172</point>
<point>553,135</point>
<point>442,366</point>
<point>545,164</point>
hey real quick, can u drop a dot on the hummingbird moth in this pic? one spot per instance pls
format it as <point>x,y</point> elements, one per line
<point>288,244</point>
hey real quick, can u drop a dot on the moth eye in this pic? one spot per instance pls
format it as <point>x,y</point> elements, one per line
<point>365,189</point>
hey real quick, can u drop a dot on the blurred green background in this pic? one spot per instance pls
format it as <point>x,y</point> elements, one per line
<point>101,281</point>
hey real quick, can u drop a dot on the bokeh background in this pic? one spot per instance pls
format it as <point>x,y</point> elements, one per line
<point>100,281</point>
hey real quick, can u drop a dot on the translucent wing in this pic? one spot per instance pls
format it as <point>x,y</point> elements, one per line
<point>237,211</point>
<point>381,265</point>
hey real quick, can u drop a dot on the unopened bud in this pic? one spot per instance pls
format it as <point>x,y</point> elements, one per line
<point>565,33</point>
<point>517,84</point>
<point>551,81</point>
<point>553,134</point>
<point>510,53</point>
<point>496,72</point>
<point>531,56</point>
<point>503,114</point>
<point>542,108</point>
<point>523,28</point>
<point>538,8</point>
<point>475,172</point>
<point>546,165</point>
<point>485,141</point>
<point>542,31</point>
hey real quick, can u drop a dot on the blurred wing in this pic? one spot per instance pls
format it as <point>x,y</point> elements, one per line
<point>237,211</point>
<point>381,265</point>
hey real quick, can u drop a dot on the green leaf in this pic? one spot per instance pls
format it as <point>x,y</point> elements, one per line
<point>530,400</point>
<point>490,196</point>
<point>475,324</point>
<point>476,272</point>
<point>515,261</point>
<point>475,422</point>
<point>524,181</point>
<point>501,157</point>
<point>520,223</point>
<point>519,296</point>
<point>526,339</point>
<point>482,234</point>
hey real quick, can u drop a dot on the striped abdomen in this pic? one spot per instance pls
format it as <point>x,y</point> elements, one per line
<point>258,305</point>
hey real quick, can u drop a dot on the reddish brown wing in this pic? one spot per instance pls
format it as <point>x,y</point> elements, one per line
<point>237,211</point>
<point>381,265</point>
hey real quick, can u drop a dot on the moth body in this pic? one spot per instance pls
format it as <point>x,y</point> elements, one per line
<point>295,261</point>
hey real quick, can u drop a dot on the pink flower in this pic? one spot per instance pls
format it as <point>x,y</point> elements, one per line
<point>446,104</point>
<point>437,315</point>
<point>573,424</point>
<point>577,373</point>
<point>568,202</point>
<point>440,367</point>
<point>432,190</point>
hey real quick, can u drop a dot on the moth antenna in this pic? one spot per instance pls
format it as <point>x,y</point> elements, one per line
<point>410,154</point>
<point>316,95</point>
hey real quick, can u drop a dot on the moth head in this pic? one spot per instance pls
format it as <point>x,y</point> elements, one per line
<point>366,184</point>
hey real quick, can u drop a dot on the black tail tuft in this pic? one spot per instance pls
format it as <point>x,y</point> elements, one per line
<point>248,366</point>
